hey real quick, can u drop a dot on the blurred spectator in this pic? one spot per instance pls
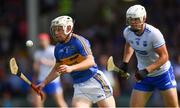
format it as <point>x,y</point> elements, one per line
<point>4,39</point>
<point>7,99</point>
<point>44,60</point>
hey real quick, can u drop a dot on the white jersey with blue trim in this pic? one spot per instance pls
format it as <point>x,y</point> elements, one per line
<point>144,47</point>
<point>44,70</point>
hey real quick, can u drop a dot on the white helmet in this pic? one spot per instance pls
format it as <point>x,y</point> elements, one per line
<point>63,21</point>
<point>135,11</point>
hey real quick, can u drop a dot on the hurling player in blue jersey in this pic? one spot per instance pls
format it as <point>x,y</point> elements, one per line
<point>154,68</point>
<point>73,55</point>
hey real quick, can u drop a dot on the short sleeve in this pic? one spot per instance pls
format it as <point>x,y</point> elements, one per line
<point>83,46</point>
<point>158,39</point>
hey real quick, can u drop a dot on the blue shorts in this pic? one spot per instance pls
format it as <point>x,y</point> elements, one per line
<point>161,82</point>
<point>52,88</point>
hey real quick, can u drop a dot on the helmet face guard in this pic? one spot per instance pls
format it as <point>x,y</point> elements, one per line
<point>64,22</point>
<point>135,23</point>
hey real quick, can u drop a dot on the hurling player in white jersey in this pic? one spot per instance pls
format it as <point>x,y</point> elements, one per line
<point>154,68</point>
<point>44,61</point>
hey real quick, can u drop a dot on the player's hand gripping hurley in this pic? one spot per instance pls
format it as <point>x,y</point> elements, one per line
<point>14,70</point>
<point>112,67</point>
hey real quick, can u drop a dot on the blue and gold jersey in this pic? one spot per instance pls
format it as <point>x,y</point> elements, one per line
<point>73,52</point>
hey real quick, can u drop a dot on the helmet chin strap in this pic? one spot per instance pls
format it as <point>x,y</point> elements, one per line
<point>67,37</point>
<point>65,28</point>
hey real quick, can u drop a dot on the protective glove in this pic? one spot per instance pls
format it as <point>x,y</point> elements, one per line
<point>141,74</point>
<point>124,67</point>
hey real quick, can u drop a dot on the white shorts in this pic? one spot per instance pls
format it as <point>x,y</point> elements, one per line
<point>95,89</point>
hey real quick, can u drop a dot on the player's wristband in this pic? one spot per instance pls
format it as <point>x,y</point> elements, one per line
<point>124,66</point>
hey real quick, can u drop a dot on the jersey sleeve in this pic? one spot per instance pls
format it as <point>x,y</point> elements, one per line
<point>158,39</point>
<point>83,46</point>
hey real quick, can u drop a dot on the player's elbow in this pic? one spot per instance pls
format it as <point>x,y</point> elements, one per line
<point>165,58</point>
<point>91,61</point>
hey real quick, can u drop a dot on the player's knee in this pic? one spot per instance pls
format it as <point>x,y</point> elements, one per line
<point>108,102</point>
<point>134,103</point>
<point>81,103</point>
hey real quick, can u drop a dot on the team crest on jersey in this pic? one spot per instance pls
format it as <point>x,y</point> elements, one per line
<point>144,43</point>
<point>66,49</point>
<point>69,49</point>
<point>61,50</point>
<point>137,41</point>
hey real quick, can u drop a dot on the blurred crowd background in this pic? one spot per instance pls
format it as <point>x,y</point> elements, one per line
<point>100,21</point>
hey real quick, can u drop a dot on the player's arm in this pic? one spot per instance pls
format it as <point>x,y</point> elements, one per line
<point>52,75</point>
<point>128,52</point>
<point>83,47</point>
<point>163,58</point>
<point>85,64</point>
